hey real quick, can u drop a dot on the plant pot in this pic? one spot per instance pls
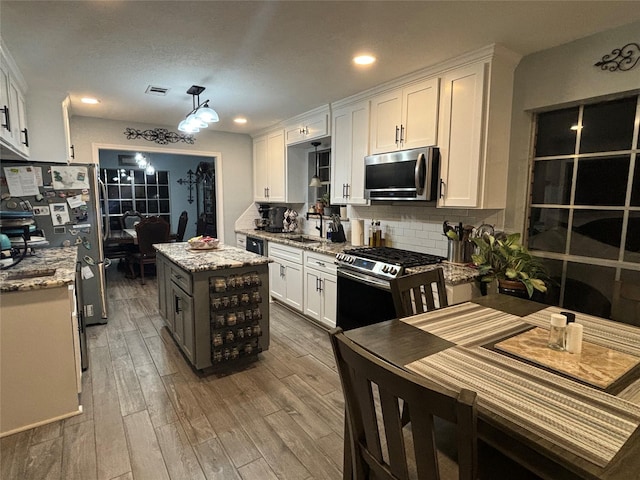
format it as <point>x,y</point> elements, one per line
<point>515,288</point>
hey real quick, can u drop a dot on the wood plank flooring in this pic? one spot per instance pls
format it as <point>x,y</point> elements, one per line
<point>147,415</point>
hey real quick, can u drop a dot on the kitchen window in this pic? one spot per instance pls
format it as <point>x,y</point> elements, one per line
<point>584,204</point>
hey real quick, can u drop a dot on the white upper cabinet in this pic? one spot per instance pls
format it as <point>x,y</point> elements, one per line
<point>349,146</point>
<point>405,118</point>
<point>475,117</point>
<point>309,126</point>
<point>269,167</point>
<point>14,133</point>
<point>275,179</point>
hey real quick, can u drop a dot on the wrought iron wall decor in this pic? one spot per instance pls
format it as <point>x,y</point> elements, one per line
<point>190,181</point>
<point>159,135</point>
<point>623,59</point>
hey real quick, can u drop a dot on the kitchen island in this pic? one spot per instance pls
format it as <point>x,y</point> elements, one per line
<point>40,373</point>
<point>215,303</point>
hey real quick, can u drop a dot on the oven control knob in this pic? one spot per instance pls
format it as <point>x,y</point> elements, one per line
<point>393,271</point>
<point>385,269</point>
<point>351,259</point>
<point>340,257</point>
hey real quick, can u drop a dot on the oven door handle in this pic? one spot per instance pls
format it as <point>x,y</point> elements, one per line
<point>365,279</point>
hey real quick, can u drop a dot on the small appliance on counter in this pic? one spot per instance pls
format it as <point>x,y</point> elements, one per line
<point>276,219</point>
<point>263,221</point>
<point>16,227</point>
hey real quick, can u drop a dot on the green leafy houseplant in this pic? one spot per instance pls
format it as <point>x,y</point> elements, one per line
<point>507,259</point>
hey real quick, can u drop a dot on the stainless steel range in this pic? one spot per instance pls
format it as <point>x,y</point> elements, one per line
<point>364,276</point>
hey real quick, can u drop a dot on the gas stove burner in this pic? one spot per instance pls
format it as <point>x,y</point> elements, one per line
<point>384,262</point>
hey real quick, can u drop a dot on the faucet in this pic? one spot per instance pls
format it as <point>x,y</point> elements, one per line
<point>320,228</point>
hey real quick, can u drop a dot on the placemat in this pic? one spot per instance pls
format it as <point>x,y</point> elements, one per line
<point>597,365</point>
<point>468,324</point>
<point>615,335</point>
<point>579,418</point>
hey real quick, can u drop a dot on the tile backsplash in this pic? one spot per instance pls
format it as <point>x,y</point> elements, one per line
<point>419,228</point>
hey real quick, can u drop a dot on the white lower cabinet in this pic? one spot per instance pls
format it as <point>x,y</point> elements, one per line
<point>285,275</point>
<point>320,288</point>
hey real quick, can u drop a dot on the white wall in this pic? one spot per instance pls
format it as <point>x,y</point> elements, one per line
<point>234,151</point>
<point>559,76</point>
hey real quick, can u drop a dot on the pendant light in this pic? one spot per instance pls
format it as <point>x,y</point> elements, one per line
<point>315,180</point>
<point>201,115</point>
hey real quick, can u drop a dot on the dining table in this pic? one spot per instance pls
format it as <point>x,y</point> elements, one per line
<point>561,415</point>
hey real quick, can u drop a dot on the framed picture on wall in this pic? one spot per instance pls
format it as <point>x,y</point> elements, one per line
<point>127,161</point>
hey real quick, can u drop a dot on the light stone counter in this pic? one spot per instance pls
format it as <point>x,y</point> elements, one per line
<point>454,274</point>
<point>35,268</point>
<point>205,260</point>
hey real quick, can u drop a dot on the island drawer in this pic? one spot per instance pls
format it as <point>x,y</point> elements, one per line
<point>181,278</point>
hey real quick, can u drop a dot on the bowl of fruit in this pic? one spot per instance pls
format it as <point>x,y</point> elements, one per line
<point>203,242</point>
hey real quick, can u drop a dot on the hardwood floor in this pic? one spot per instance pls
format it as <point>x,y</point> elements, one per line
<point>147,415</point>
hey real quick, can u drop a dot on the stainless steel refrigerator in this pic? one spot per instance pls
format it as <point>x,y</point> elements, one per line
<point>66,202</point>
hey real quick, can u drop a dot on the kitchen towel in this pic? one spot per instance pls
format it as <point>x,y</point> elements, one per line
<point>357,232</point>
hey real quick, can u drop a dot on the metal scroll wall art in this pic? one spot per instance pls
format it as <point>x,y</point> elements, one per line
<point>622,59</point>
<point>190,182</point>
<point>159,135</point>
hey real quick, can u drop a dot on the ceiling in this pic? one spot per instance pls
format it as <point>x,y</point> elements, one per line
<point>265,60</point>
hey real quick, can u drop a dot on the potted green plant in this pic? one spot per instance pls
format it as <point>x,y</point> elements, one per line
<point>322,203</point>
<point>510,263</point>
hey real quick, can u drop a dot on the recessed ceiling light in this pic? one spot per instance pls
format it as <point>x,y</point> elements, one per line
<point>364,59</point>
<point>91,101</point>
<point>240,120</point>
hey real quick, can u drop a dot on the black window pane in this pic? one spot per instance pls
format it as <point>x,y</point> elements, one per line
<point>635,189</point>
<point>114,206</point>
<point>163,192</point>
<point>552,181</point>
<point>126,192</point>
<point>113,191</point>
<point>127,206</point>
<point>165,206</point>
<point>596,233</point>
<point>555,136</point>
<point>140,192</point>
<point>151,179</point>
<point>548,229</point>
<point>152,192</point>
<point>632,243</point>
<point>602,181</point>
<point>163,177</point>
<point>138,177</point>
<point>552,295</point>
<point>114,223</point>
<point>141,206</point>
<point>589,288</point>
<point>153,207</point>
<point>111,175</point>
<point>608,126</point>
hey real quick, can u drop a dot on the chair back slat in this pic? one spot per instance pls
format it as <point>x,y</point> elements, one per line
<point>182,226</point>
<point>419,292</point>
<point>362,373</point>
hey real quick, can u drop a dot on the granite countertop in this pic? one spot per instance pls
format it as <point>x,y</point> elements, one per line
<point>35,269</point>
<point>205,260</point>
<point>454,274</point>
<point>320,246</point>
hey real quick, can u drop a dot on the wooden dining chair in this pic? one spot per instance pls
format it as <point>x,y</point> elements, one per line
<point>130,218</point>
<point>419,292</point>
<point>362,374</point>
<point>150,230</point>
<point>182,226</point>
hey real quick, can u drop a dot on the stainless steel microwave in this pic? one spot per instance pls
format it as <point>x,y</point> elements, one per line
<point>403,175</point>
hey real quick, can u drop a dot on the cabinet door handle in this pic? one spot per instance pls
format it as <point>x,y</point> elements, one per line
<point>73,151</point>
<point>26,137</point>
<point>319,288</point>
<point>397,131</point>
<point>348,190</point>
<point>401,133</point>
<point>7,121</point>
<point>442,188</point>
<point>322,264</point>
<point>178,309</point>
